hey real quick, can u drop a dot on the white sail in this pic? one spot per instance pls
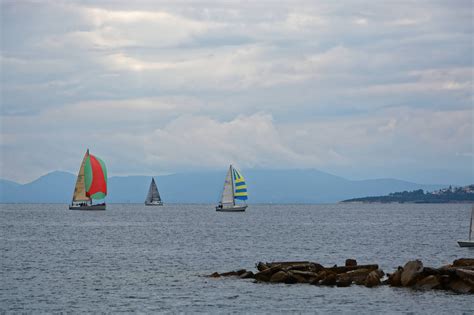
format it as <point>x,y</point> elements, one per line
<point>153,194</point>
<point>80,189</point>
<point>228,192</point>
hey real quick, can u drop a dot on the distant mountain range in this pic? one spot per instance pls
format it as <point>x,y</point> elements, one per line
<point>265,186</point>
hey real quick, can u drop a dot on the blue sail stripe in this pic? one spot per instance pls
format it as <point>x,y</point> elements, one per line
<point>239,184</point>
<point>240,190</point>
<point>236,175</point>
<point>241,197</point>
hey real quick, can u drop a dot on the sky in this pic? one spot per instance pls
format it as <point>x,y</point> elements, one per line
<point>360,89</point>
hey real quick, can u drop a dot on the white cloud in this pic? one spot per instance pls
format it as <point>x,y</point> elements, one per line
<point>137,28</point>
<point>361,21</point>
<point>306,85</point>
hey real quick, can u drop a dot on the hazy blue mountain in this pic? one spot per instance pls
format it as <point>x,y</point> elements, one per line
<point>265,186</point>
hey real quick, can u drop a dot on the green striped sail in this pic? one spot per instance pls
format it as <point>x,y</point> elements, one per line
<point>240,187</point>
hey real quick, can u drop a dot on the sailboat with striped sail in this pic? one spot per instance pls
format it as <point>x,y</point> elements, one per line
<point>235,189</point>
<point>91,184</point>
<point>153,198</point>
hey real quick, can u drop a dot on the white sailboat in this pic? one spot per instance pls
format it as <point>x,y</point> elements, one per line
<point>153,198</point>
<point>470,242</point>
<point>235,188</point>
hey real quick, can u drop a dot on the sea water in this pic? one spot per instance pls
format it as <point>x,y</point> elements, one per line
<point>153,259</point>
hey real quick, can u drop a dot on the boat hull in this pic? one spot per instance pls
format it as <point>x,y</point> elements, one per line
<point>232,209</point>
<point>466,243</point>
<point>153,203</point>
<point>88,207</point>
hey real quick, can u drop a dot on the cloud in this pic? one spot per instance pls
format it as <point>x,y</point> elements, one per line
<point>109,29</point>
<point>307,84</point>
<point>199,141</point>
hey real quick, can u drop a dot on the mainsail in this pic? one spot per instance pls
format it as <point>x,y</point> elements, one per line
<point>153,194</point>
<point>80,189</point>
<point>228,192</point>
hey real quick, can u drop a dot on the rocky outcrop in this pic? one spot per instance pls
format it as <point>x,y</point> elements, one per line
<point>457,277</point>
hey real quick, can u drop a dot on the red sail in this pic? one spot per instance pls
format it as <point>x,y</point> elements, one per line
<point>99,182</point>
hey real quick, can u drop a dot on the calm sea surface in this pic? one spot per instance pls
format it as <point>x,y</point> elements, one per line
<point>152,259</point>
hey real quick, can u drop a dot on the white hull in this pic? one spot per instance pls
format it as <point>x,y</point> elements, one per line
<point>158,203</point>
<point>232,209</point>
<point>88,207</point>
<point>466,243</point>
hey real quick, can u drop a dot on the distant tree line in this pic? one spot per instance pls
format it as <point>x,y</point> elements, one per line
<point>447,195</point>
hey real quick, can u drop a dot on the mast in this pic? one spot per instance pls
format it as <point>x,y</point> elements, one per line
<point>470,226</point>
<point>87,154</point>
<point>232,181</point>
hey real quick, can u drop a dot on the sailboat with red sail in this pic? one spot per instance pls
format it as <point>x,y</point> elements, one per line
<point>91,184</point>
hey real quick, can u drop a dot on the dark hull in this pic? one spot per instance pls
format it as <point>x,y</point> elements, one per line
<point>153,204</point>
<point>89,207</point>
<point>466,243</point>
<point>232,209</point>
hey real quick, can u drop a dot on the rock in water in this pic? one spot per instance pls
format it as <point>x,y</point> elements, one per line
<point>411,270</point>
<point>466,275</point>
<point>357,276</point>
<point>373,279</point>
<point>312,267</point>
<point>261,266</point>
<point>351,262</point>
<point>305,274</point>
<point>266,274</point>
<point>279,276</point>
<point>395,279</point>
<point>343,269</point>
<point>330,279</point>
<point>460,286</point>
<point>429,271</point>
<point>343,282</point>
<point>428,283</point>
<point>247,275</point>
<point>462,262</point>
<point>214,275</point>
<point>229,273</point>
<point>319,276</point>
<point>298,277</point>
